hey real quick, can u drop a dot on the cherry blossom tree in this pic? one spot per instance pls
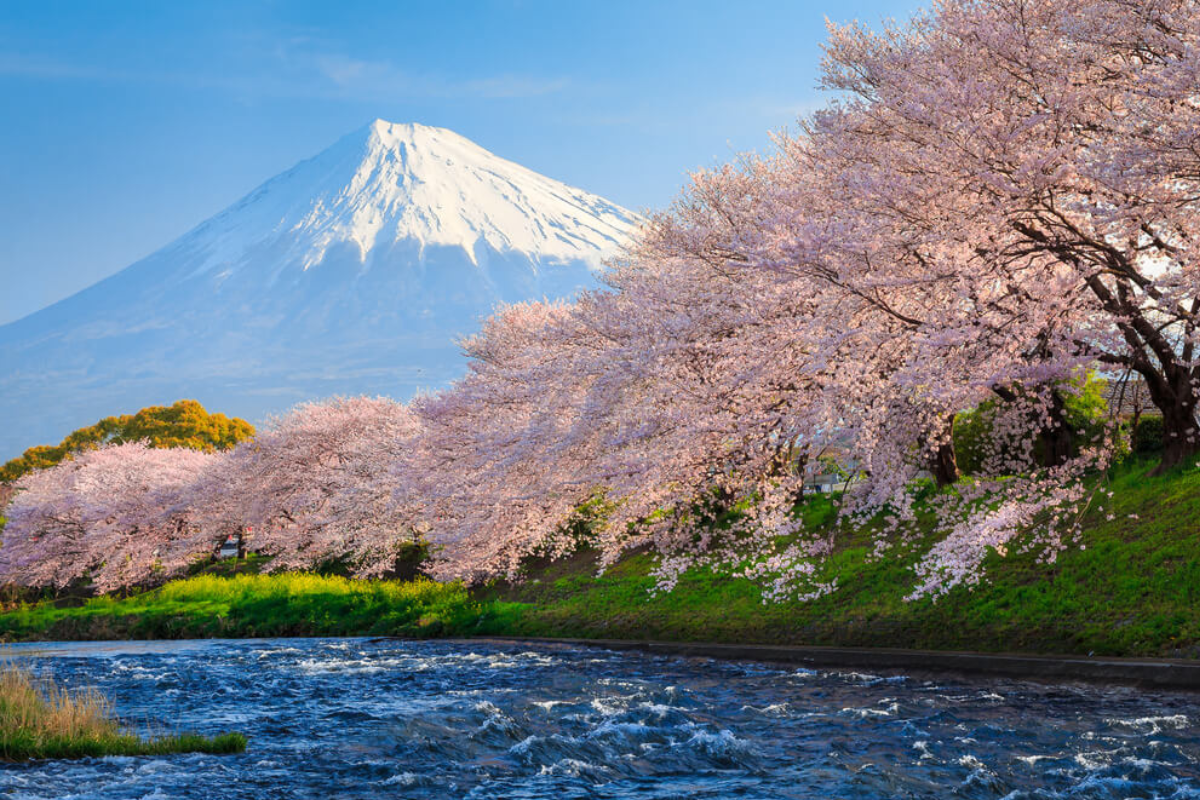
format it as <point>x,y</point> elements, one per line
<point>315,486</point>
<point>1001,199</point>
<point>117,515</point>
<point>668,388</point>
<point>1040,158</point>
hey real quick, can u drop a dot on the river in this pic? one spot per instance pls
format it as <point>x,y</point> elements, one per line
<point>358,718</point>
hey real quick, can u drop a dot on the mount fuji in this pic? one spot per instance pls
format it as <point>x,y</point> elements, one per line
<point>352,273</point>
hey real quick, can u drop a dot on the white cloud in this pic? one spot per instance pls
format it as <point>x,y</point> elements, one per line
<point>298,67</point>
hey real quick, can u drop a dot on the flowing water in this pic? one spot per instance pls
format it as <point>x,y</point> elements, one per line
<point>356,718</point>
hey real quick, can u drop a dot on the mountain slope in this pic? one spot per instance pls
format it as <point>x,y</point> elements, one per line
<point>352,272</point>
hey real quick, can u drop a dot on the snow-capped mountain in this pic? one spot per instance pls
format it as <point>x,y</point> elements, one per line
<point>352,273</point>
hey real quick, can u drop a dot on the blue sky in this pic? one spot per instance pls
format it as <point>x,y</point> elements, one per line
<point>127,123</point>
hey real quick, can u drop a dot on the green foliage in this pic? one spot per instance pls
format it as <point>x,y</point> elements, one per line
<point>973,437</point>
<point>1086,407</point>
<point>1085,412</point>
<point>579,531</point>
<point>828,465</point>
<point>184,424</point>
<point>407,565</point>
<point>1148,436</point>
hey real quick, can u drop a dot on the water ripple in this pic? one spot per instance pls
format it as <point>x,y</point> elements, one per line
<point>357,718</point>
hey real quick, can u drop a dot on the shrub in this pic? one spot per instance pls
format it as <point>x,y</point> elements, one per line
<point>39,719</point>
<point>1148,436</point>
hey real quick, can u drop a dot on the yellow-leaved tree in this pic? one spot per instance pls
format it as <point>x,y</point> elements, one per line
<point>184,424</point>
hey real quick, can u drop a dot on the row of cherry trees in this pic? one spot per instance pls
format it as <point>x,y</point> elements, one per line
<point>1003,195</point>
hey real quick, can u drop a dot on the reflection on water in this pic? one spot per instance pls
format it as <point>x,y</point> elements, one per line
<point>354,718</point>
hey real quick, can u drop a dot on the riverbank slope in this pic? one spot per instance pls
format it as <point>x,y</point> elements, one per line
<point>1133,589</point>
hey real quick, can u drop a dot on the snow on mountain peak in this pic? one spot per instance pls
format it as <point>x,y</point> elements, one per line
<point>389,183</point>
<point>352,273</point>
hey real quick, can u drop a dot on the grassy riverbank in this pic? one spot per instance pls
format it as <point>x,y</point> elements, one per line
<point>249,605</point>
<point>39,719</point>
<point>1133,590</point>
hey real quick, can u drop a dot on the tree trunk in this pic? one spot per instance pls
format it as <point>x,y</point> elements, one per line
<point>1179,437</point>
<point>1175,396</point>
<point>1056,437</point>
<point>944,464</point>
<point>801,466</point>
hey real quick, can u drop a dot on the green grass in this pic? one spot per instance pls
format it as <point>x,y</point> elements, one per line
<point>24,746</point>
<point>1134,590</point>
<point>39,719</point>
<point>248,605</point>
